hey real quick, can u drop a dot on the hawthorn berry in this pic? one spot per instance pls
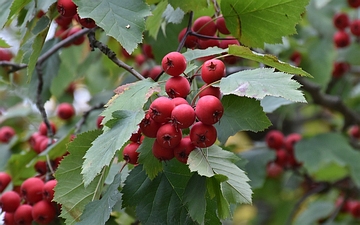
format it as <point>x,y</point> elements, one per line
<point>209,90</point>
<point>183,116</point>
<point>32,189</point>
<point>154,72</point>
<point>10,201</point>
<point>140,59</point>
<point>354,131</point>
<point>296,57</point>
<point>65,111</point>
<point>273,170</point>
<point>221,25</point>
<point>9,219</point>
<point>341,21</point>
<point>147,50</point>
<point>177,87</point>
<point>6,133</point>
<point>209,109</point>
<point>291,140</point>
<point>230,41</point>
<point>204,25</point>
<point>66,8</point>
<point>136,136</point>
<point>190,41</point>
<point>341,39</point>
<point>63,22</point>
<point>99,122</point>
<point>5,54</point>
<point>41,167</point>
<point>23,215</point>
<point>162,153</point>
<point>212,70</point>
<point>355,27</point>
<point>149,127</point>
<point>43,128</point>
<point>281,157</point>
<point>339,69</point>
<point>207,43</point>
<point>203,135</point>
<point>178,101</point>
<point>160,109</point>
<point>5,180</point>
<point>354,208</point>
<point>183,150</point>
<point>129,153</point>
<point>43,212</point>
<point>168,136</point>
<point>173,63</point>
<point>274,139</point>
<point>48,190</point>
<point>85,22</point>
<point>354,3</point>
<point>74,30</point>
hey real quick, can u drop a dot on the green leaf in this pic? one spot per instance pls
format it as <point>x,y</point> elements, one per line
<point>19,166</point>
<point>314,212</point>
<point>271,103</point>
<point>16,6</point>
<point>151,165</point>
<point>259,22</point>
<point>125,122</point>
<point>4,11</point>
<point>223,207</point>
<point>216,161</point>
<point>240,113</point>
<point>257,159</point>
<point>172,15</point>
<point>158,201</point>
<point>189,5</point>
<point>261,82</point>
<point>154,21</point>
<point>98,211</point>
<point>192,54</point>
<point>266,59</point>
<point>323,151</point>
<point>125,20</point>
<point>3,43</point>
<point>70,191</point>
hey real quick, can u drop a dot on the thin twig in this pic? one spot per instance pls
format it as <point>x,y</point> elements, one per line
<point>13,66</point>
<point>85,116</point>
<point>188,30</point>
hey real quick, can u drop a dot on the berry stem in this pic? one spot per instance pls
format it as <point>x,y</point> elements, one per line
<point>193,101</point>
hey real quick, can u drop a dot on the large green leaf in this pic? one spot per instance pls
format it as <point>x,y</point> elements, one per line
<point>259,22</point>
<point>189,5</point>
<point>158,201</point>
<point>125,122</point>
<point>98,211</point>
<point>19,166</point>
<point>192,54</point>
<point>215,161</point>
<point>124,20</point>
<point>153,22</point>
<point>70,191</point>
<point>266,59</point>
<point>150,163</point>
<point>240,113</point>
<point>323,152</point>
<point>261,82</point>
<point>17,5</point>
<point>4,11</point>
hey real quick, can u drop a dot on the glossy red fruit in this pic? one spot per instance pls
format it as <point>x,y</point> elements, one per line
<point>173,63</point>
<point>160,109</point>
<point>48,190</point>
<point>5,54</point>
<point>354,3</point>
<point>162,153</point>
<point>154,72</point>
<point>43,128</point>
<point>354,131</point>
<point>10,201</point>
<point>355,27</point>
<point>183,116</point>
<point>168,136</point>
<point>209,109</point>
<point>85,22</point>
<point>63,22</point>
<point>147,50</point>
<point>355,209</point>
<point>183,150</point>
<point>6,133</point>
<point>41,167</point>
<point>43,212</point>
<point>136,136</point>
<point>5,180</point>
<point>281,157</point>
<point>149,127</point>
<point>212,70</point>
<point>129,153</point>
<point>23,215</point>
<point>341,39</point>
<point>203,135</point>
<point>291,140</point>
<point>339,69</point>
<point>177,87</point>
<point>38,145</point>
<point>140,59</point>
<point>65,111</point>
<point>230,41</point>
<point>79,40</point>
<point>209,90</point>
<point>221,25</point>
<point>296,57</point>
<point>178,101</point>
<point>32,189</point>
<point>207,43</point>
<point>190,42</point>
<point>273,170</point>
<point>274,139</point>
<point>204,25</point>
<point>99,122</point>
<point>341,21</point>
<point>9,219</point>
<point>66,8</point>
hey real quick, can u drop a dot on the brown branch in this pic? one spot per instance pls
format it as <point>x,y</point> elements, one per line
<point>111,55</point>
<point>13,66</point>
<point>85,116</point>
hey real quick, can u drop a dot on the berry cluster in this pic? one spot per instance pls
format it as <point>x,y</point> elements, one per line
<point>284,148</point>
<point>351,206</point>
<point>32,202</point>
<point>170,117</point>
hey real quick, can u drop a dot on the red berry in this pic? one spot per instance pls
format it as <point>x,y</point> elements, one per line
<point>221,26</point>
<point>162,153</point>
<point>183,116</point>
<point>296,57</point>
<point>85,22</point>
<point>147,50</point>
<point>209,109</point>
<point>140,59</point>
<point>66,8</point>
<point>63,22</point>
<point>6,133</point>
<point>225,43</point>
<point>178,101</point>
<point>32,189</point>
<point>41,167</point>
<point>203,135</point>
<point>79,40</point>
<point>136,137</point>
<point>98,122</point>
<point>190,42</point>
<point>65,111</point>
<point>9,219</point>
<point>23,215</point>
<point>355,209</point>
<point>212,70</point>
<point>38,144</point>
<point>281,157</point>
<point>354,131</point>
<point>355,27</point>
<point>43,212</point>
<point>177,87</point>
<point>354,3</point>
<point>183,150</point>
<point>341,39</point>
<point>339,69</point>
<point>5,180</point>
<point>149,127</point>
<point>274,139</point>
<point>5,54</point>
<point>173,63</point>
<point>291,140</point>
<point>274,170</point>
<point>43,128</point>
<point>154,72</point>
<point>341,21</point>
<point>48,190</point>
<point>10,201</point>
<point>209,90</point>
<point>168,136</point>
<point>207,43</point>
<point>129,153</point>
<point>204,25</point>
<point>160,109</point>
